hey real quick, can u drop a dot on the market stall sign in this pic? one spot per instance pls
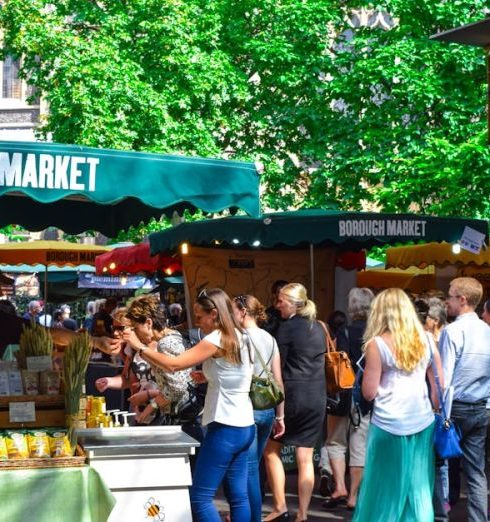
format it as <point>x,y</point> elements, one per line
<point>58,253</point>
<point>352,230</point>
<point>80,188</point>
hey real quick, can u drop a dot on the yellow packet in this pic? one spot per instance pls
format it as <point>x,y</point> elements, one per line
<point>38,442</point>
<point>59,444</point>
<point>3,448</point>
<point>16,445</point>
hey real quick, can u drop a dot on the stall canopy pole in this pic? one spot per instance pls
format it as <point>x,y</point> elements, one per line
<point>45,289</point>
<point>312,272</point>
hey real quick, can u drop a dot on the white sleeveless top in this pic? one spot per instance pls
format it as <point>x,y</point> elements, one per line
<point>402,405</point>
<point>227,398</point>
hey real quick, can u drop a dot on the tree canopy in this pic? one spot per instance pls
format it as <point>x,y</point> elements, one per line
<point>337,107</point>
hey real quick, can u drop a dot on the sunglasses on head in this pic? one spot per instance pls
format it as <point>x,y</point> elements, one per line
<point>242,301</point>
<point>203,294</point>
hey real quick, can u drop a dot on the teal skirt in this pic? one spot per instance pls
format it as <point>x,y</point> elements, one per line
<point>398,479</point>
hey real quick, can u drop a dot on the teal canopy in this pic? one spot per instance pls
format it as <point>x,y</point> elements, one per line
<point>352,230</point>
<point>81,188</point>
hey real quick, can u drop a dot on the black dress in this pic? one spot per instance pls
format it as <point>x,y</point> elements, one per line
<point>302,348</point>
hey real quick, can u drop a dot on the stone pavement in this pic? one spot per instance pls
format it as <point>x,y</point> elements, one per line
<point>318,514</point>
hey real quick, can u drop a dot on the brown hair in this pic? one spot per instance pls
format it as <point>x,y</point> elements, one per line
<point>120,314</point>
<point>468,287</point>
<point>217,299</point>
<point>147,307</point>
<point>254,308</point>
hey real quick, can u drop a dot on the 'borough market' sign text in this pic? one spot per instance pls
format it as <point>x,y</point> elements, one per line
<point>382,227</point>
<point>48,171</point>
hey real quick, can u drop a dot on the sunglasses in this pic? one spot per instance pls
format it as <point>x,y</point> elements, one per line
<point>119,328</point>
<point>203,294</point>
<point>241,300</point>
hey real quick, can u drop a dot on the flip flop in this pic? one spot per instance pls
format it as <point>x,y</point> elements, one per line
<point>332,503</point>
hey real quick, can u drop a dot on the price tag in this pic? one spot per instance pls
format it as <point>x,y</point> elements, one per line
<point>472,240</point>
<point>22,412</point>
<point>39,363</point>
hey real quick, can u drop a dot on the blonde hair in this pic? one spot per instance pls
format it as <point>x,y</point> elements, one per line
<point>217,299</point>
<point>296,294</point>
<point>393,312</point>
<point>468,287</point>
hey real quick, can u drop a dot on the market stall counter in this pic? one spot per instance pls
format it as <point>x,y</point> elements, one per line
<point>54,495</point>
<point>146,468</point>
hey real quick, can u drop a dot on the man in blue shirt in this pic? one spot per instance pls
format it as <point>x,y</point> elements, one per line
<point>465,354</point>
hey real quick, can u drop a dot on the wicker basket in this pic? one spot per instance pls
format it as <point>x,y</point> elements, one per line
<point>77,461</point>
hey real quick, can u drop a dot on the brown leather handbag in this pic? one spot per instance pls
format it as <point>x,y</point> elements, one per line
<point>338,368</point>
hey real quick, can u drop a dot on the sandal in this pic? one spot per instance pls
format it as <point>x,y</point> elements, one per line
<point>335,502</point>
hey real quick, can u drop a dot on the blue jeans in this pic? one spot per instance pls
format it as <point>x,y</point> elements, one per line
<point>263,424</point>
<point>223,456</point>
<point>471,420</point>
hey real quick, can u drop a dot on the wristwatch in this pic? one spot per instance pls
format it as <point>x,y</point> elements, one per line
<point>154,404</point>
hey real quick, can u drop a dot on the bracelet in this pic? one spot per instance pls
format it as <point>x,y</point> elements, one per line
<point>154,404</point>
<point>279,418</point>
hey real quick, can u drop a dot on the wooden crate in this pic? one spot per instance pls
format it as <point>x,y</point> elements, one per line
<point>50,411</point>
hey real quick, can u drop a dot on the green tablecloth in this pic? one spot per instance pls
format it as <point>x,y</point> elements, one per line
<point>54,495</point>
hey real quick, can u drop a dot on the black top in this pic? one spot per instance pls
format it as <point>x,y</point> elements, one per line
<point>302,348</point>
<point>351,341</point>
<point>273,322</point>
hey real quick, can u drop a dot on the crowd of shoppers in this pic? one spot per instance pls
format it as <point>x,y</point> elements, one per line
<point>394,342</point>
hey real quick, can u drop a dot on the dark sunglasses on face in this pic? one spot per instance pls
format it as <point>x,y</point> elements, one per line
<point>119,328</point>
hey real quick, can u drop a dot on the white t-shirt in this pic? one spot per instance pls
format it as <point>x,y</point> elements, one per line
<point>402,405</point>
<point>227,398</point>
<point>266,345</point>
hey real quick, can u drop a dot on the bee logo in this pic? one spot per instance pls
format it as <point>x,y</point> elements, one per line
<point>153,510</point>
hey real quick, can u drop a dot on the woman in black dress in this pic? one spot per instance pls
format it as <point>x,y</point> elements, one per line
<point>301,342</point>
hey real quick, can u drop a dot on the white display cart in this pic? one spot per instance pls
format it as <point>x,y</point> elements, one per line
<point>146,468</point>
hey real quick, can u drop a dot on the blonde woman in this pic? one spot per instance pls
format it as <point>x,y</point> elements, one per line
<point>301,342</point>
<point>399,475</point>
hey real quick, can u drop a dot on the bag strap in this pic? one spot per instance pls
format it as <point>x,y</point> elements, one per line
<point>436,378</point>
<point>261,360</point>
<point>330,344</point>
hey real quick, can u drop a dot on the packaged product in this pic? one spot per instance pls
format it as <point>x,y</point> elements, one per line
<point>3,448</point>
<point>50,382</point>
<point>4,383</point>
<point>15,381</point>
<point>59,444</point>
<point>16,445</point>
<point>38,442</point>
<point>30,380</point>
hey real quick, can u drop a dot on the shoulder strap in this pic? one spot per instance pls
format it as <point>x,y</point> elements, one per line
<point>330,344</point>
<point>436,378</point>
<point>261,360</point>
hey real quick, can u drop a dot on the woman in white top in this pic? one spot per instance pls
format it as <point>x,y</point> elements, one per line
<point>228,412</point>
<point>399,475</point>
<point>248,311</point>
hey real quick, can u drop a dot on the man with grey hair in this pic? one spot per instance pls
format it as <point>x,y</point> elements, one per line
<point>350,432</point>
<point>34,308</point>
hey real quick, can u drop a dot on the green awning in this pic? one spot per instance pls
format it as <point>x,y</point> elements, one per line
<point>352,230</point>
<point>79,188</point>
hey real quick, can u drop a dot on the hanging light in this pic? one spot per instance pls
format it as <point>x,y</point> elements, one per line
<point>123,280</point>
<point>168,271</point>
<point>456,248</point>
<point>184,248</point>
<point>256,243</point>
<point>235,241</point>
<point>104,269</point>
<point>112,266</point>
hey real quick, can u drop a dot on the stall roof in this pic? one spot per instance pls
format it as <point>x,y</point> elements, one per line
<point>81,188</point>
<point>438,254</point>
<point>476,33</point>
<point>352,230</point>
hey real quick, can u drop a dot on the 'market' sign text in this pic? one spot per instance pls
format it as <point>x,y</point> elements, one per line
<point>382,227</point>
<point>48,171</point>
